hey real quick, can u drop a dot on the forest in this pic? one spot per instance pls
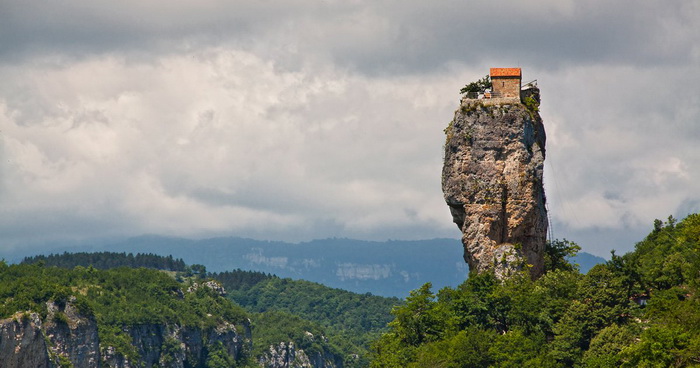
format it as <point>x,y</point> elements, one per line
<point>282,306</point>
<point>637,310</point>
<point>280,309</point>
<point>106,260</point>
<point>116,298</point>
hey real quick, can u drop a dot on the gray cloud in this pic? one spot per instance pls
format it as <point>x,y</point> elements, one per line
<point>308,119</point>
<point>388,36</point>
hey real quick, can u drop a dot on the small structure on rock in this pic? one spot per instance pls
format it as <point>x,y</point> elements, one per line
<point>505,82</point>
<point>492,178</point>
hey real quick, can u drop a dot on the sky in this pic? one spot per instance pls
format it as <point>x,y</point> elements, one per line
<point>299,120</point>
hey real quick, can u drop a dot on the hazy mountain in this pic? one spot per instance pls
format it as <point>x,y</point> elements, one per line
<point>391,268</point>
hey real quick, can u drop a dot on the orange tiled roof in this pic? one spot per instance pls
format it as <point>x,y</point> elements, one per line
<point>505,72</point>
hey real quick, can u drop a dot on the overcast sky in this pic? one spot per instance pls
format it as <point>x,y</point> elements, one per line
<point>297,120</point>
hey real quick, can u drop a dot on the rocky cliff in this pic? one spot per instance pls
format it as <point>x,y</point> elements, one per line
<point>68,338</point>
<point>22,343</point>
<point>287,355</point>
<point>65,335</point>
<point>492,182</point>
<point>177,347</point>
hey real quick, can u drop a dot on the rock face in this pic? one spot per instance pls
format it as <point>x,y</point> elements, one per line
<point>177,347</point>
<point>287,355</point>
<point>492,182</point>
<point>72,335</point>
<point>22,342</point>
<point>66,336</point>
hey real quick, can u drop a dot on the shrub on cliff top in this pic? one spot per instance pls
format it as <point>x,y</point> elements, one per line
<point>479,86</point>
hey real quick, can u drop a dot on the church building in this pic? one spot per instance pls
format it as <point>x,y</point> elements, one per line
<point>505,82</point>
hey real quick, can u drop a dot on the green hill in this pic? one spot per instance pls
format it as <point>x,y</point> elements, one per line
<point>637,310</point>
<point>280,309</point>
<point>350,321</point>
<point>132,316</point>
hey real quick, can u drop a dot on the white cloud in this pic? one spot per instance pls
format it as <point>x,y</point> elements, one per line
<point>223,141</point>
<point>308,119</point>
<point>621,146</point>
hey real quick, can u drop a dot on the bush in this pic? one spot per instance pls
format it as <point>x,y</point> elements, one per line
<point>479,86</point>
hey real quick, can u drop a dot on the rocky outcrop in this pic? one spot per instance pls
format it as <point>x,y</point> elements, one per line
<point>284,355</point>
<point>287,355</point>
<point>492,182</point>
<point>177,347</point>
<point>64,336</point>
<point>68,336</point>
<point>22,342</point>
<point>72,334</point>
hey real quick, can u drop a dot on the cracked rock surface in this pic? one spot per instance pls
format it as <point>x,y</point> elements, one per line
<point>492,182</point>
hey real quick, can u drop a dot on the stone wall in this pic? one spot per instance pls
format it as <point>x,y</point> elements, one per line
<point>506,86</point>
<point>490,101</point>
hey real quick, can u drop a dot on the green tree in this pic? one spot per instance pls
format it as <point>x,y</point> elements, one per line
<point>217,357</point>
<point>470,348</point>
<point>605,347</point>
<point>641,309</point>
<point>479,86</point>
<point>557,253</point>
<point>517,349</point>
<point>418,321</point>
<point>660,347</point>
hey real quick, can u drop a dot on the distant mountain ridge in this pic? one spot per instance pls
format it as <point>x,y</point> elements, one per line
<point>390,268</point>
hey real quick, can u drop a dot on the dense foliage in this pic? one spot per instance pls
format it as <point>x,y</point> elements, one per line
<point>335,308</point>
<point>637,310</point>
<point>274,327</point>
<point>106,260</point>
<point>285,307</point>
<point>479,86</point>
<point>318,319</point>
<point>117,297</point>
<point>240,279</point>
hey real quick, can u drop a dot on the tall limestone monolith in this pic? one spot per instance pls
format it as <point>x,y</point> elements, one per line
<point>492,182</point>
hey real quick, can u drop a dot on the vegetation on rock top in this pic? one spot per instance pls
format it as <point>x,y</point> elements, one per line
<point>479,86</point>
